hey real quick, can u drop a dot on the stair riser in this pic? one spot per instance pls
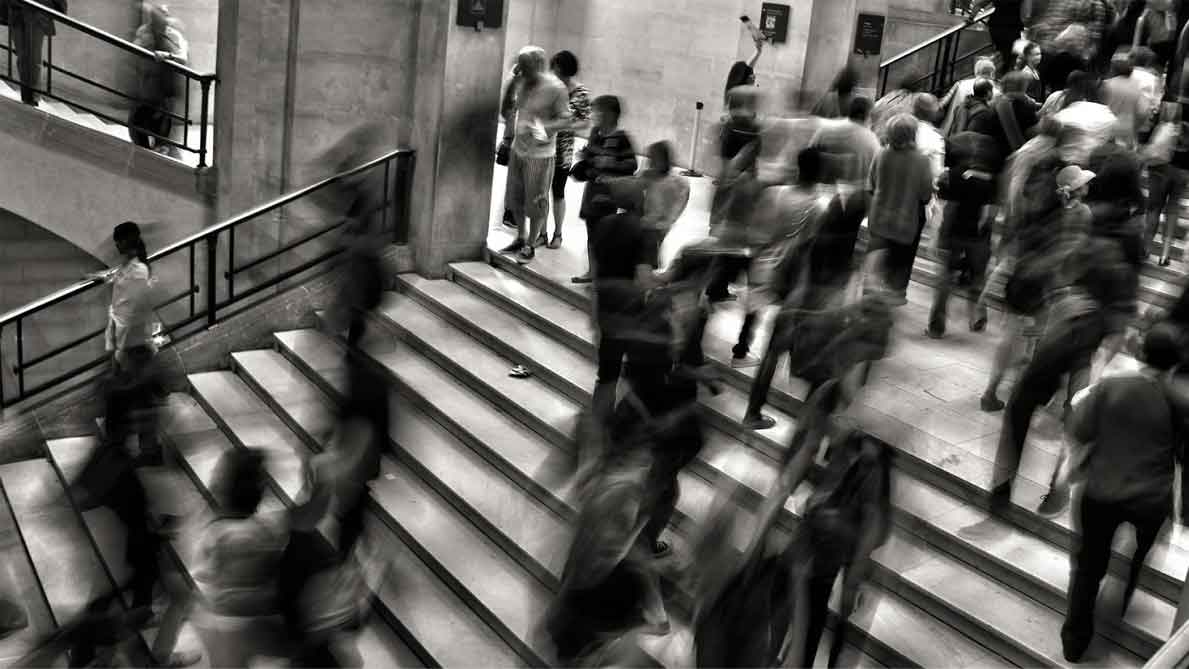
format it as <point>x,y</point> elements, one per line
<point>1163,585</point>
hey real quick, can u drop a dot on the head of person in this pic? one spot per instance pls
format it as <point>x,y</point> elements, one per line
<point>1162,346</point>
<point>926,108</point>
<point>1014,83</point>
<point>810,166</point>
<point>983,90</point>
<point>741,74</point>
<point>1122,63</point>
<point>984,68</point>
<point>1143,57</point>
<point>846,81</point>
<point>129,243</point>
<point>564,65</point>
<point>1030,55</point>
<point>660,158</point>
<point>239,482</point>
<point>742,102</point>
<point>860,110</point>
<point>1073,183</point>
<point>1081,86</point>
<point>157,17</point>
<point>605,111</point>
<point>902,132</point>
<point>530,62</point>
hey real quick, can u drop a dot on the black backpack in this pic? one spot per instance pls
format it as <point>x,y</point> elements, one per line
<point>858,474</point>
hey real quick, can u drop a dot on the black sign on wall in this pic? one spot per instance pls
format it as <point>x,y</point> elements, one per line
<point>774,22</point>
<point>487,13</point>
<point>869,34</point>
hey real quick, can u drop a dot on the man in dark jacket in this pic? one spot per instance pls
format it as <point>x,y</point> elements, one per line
<point>28,29</point>
<point>980,117</point>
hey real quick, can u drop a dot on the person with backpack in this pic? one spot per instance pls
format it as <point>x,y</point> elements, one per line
<point>1130,429</point>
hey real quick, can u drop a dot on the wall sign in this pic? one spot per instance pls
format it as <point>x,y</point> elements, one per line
<point>869,34</point>
<point>774,22</point>
<point>479,14</point>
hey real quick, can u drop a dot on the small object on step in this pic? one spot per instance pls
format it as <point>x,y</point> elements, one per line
<point>979,324</point>
<point>585,278</point>
<point>520,372</point>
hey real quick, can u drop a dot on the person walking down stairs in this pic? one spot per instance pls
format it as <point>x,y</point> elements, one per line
<point>28,30</point>
<point>151,122</point>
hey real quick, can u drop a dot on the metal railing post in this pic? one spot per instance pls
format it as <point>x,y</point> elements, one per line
<point>404,203</point>
<point>10,53</point>
<point>212,270</point>
<point>49,64</point>
<point>204,119</point>
<point>20,370</point>
<point>186,115</point>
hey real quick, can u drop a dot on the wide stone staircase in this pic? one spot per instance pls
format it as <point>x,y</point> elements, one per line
<point>475,512</point>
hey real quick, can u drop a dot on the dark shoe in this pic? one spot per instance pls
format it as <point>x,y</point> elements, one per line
<point>555,243</point>
<point>513,247</point>
<point>508,220</point>
<point>979,324</point>
<point>585,278</point>
<point>1165,262</point>
<point>760,422</point>
<point>934,333</point>
<point>1054,502</point>
<point>744,361</point>
<point>526,254</point>
<point>541,240</point>
<point>990,403</point>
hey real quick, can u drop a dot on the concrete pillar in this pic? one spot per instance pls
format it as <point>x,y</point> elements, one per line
<point>832,42</point>
<point>459,74</point>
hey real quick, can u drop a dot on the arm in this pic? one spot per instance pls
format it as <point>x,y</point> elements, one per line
<point>754,59</point>
<point>508,110</point>
<point>1139,29</point>
<point>1082,425</point>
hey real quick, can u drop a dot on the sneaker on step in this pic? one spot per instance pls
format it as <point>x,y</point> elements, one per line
<point>526,254</point>
<point>513,247</point>
<point>760,422</point>
<point>745,362</point>
<point>1054,502</point>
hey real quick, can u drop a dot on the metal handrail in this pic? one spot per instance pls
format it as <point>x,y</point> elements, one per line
<point>1174,654</point>
<point>983,16</point>
<point>397,170</point>
<point>101,34</point>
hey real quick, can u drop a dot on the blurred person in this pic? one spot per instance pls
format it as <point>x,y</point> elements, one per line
<point>151,122</point>
<point>929,140</point>
<point>28,29</point>
<point>564,65</point>
<point>1016,114</point>
<point>1079,86</point>
<point>1128,427</point>
<point>898,101</point>
<point>1029,63</point>
<point>239,556</point>
<point>1167,159</point>
<point>1066,54</point>
<point>609,152</point>
<point>954,102</point>
<point>1156,29</point>
<point>900,186</point>
<point>967,187</point>
<point>1005,25</point>
<point>740,145</point>
<point>1090,123</point>
<point>1151,89</point>
<point>803,206</point>
<point>836,103</point>
<point>542,108</point>
<point>743,73</point>
<point>1116,198</point>
<point>978,115</point>
<point>1122,94</point>
<point>847,149</point>
<point>1093,17</point>
<point>1090,299</point>
<point>656,194</point>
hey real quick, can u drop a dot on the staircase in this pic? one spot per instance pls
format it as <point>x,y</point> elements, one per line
<point>475,512</point>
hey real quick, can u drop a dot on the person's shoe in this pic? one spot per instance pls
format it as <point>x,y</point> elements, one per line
<point>979,324</point>
<point>181,658</point>
<point>541,240</point>
<point>585,278</point>
<point>555,243</point>
<point>662,549</point>
<point>744,362</point>
<point>933,333</point>
<point>526,254</point>
<point>520,372</point>
<point>1054,502</point>
<point>990,403</point>
<point>760,422</point>
<point>1165,261</point>
<point>509,221</point>
<point>514,246</point>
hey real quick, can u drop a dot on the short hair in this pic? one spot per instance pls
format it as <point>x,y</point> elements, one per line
<point>809,165</point>
<point>860,109</point>
<point>984,68</point>
<point>665,149</point>
<point>607,104</point>
<point>239,481</point>
<point>1122,63</point>
<point>847,80</point>
<point>983,88</point>
<point>565,62</point>
<point>926,107</point>
<point>533,53</point>
<point>1015,82</point>
<point>1143,56</point>
<point>1162,346</point>
<point>902,131</point>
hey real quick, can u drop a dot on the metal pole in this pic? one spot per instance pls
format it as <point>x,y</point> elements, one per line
<point>203,119</point>
<point>693,149</point>
<point>212,262</point>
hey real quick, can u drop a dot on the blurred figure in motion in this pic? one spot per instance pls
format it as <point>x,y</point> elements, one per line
<point>1128,428</point>
<point>239,559</point>
<point>28,29</point>
<point>151,122</point>
<point>954,102</point>
<point>1167,158</point>
<point>609,152</point>
<point>836,103</point>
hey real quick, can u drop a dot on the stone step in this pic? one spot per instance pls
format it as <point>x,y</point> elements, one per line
<point>489,368</point>
<point>505,444</point>
<point>20,584</point>
<point>69,570</point>
<point>951,450</point>
<point>440,614</point>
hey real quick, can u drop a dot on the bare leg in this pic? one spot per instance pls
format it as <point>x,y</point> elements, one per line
<point>559,215</point>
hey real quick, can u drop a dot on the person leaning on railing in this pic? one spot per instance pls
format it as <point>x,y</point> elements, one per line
<point>160,85</point>
<point>28,29</point>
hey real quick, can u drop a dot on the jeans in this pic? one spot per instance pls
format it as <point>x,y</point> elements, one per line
<point>975,251</point>
<point>28,35</point>
<point>1064,348</point>
<point>1098,522</point>
<point>899,258</point>
<point>148,121</point>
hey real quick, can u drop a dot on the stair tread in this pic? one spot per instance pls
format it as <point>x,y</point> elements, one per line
<point>903,431</point>
<point>67,566</point>
<point>19,584</point>
<point>468,354</point>
<point>443,625</point>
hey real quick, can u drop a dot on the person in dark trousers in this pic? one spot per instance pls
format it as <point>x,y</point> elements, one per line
<point>28,29</point>
<point>1004,26</point>
<point>610,152</point>
<point>1132,433</point>
<point>151,121</point>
